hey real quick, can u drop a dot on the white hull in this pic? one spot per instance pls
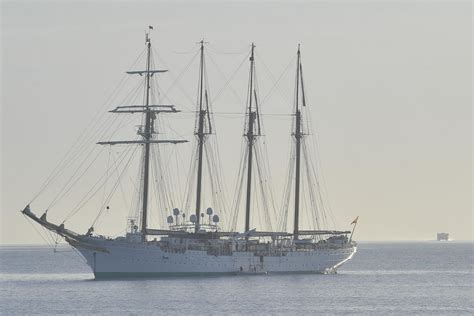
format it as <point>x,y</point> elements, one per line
<point>123,259</point>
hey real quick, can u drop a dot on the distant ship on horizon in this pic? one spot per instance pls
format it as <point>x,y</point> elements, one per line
<point>442,236</point>
<point>196,243</point>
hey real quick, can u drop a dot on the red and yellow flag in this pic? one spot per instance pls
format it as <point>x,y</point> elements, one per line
<point>355,220</point>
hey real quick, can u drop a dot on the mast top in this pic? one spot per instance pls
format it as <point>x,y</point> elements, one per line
<point>147,34</point>
<point>147,72</point>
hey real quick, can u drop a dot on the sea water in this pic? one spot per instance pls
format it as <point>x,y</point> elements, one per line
<point>382,278</point>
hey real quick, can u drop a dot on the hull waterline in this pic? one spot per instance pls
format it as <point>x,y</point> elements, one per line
<point>126,260</point>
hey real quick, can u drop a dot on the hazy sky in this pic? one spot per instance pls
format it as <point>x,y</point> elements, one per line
<point>389,84</point>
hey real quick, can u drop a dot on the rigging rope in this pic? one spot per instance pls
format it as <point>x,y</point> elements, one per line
<point>244,51</point>
<point>228,81</point>
<point>81,139</point>
<point>93,189</point>
<point>70,183</point>
<point>109,197</point>
<point>276,82</point>
<point>178,78</point>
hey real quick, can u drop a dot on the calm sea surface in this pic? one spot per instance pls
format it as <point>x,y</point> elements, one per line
<point>383,278</point>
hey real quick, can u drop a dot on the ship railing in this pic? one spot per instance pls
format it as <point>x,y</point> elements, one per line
<point>191,227</point>
<point>323,232</point>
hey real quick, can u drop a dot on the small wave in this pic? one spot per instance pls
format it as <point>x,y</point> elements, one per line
<point>10,248</point>
<point>402,272</point>
<point>7,277</point>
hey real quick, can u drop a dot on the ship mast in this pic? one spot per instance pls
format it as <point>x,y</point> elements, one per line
<point>147,131</point>
<point>253,116</point>
<point>298,135</point>
<point>201,135</point>
<point>147,135</point>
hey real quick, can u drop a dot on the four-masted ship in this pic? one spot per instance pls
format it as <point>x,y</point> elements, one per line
<point>190,244</point>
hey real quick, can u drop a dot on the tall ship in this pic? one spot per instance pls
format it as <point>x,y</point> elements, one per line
<point>193,241</point>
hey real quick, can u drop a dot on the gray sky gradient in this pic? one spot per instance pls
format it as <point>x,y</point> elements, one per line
<point>389,84</point>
